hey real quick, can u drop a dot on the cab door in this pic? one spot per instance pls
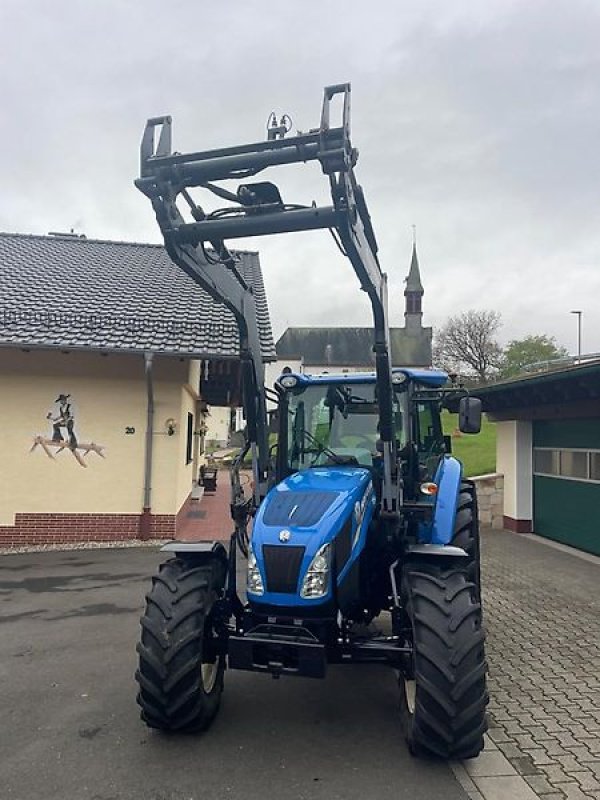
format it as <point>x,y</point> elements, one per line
<point>429,436</point>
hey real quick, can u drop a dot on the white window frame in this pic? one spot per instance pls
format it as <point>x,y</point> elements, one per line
<point>560,450</point>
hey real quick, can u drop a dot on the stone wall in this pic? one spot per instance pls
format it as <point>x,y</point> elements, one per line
<point>490,496</point>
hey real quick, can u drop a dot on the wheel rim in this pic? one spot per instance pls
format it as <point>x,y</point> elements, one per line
<point>410,693</point>
<point>210,670</point>
<point>410,683</point>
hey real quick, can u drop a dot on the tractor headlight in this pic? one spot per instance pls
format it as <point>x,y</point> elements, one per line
<point>316,580</point>
<point>255,582</point>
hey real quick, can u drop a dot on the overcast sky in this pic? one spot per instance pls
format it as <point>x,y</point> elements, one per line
<point>479,122</point>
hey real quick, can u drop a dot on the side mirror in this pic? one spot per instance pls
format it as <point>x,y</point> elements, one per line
<point>469,415</point>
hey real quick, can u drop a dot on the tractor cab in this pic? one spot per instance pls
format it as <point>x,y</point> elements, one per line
<point>333,420</point>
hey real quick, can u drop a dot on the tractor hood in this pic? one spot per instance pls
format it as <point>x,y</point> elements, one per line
<point>311,502</point>
<point>306,511</point>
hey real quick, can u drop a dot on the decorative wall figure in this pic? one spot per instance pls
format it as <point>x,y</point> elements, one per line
<point>65,419</point>
<point>63,436</point>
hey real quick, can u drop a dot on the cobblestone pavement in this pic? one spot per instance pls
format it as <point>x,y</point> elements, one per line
<point>542,613</point>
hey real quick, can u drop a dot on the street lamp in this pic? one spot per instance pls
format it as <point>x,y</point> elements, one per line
<point>579,315</point>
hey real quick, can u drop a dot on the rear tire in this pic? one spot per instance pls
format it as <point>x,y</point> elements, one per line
<point>466,532</point>
<point>444,693</point>
<point>181,660</point>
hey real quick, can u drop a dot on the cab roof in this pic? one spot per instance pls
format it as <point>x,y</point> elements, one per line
<point>427,377</point>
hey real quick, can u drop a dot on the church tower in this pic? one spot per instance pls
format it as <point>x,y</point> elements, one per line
<point>413,312</point>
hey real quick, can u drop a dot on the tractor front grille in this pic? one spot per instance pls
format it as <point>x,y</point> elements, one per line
<point>282,566</point>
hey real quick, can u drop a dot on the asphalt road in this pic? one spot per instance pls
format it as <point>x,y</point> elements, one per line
<point>70,728</point>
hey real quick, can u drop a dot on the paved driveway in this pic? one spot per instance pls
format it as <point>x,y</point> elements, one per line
<point>70,728</point>
<point>542,612</point>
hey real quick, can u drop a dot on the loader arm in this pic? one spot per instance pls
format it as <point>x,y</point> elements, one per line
<point>258,210</point>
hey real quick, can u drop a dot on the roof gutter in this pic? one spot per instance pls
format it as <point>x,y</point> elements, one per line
<point>130,351</point>
<point>146,516</point>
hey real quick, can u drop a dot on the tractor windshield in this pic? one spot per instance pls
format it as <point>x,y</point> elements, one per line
<point>331,424</point>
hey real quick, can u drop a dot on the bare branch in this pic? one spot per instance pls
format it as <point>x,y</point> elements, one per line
<point>467,344</point>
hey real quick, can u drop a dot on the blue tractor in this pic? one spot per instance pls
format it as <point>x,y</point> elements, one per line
<point>358,511</point>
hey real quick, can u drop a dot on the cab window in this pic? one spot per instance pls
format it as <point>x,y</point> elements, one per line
<point>429,435</point>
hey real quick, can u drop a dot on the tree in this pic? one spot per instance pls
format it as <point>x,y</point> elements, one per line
<point>467,344</point>
<point>521,353</point>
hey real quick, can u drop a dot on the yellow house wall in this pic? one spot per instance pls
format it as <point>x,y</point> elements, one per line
<point>167,457</point>
<point>194,375</point>
<point>188,401</point>
<point>108,394</point>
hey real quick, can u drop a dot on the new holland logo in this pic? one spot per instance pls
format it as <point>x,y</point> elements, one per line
<point>284,536</point>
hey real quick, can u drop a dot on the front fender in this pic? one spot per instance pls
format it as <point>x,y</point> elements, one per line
<point>448,476</point>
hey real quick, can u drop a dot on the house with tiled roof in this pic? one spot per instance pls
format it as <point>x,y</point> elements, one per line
<point>343,349</point>
<point>109,355</point>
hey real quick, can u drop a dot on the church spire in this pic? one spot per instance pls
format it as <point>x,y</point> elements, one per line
<point>413,282</point>
<point>414,290</point>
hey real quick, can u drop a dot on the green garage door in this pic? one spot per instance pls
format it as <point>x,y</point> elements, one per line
<point>566,482</point>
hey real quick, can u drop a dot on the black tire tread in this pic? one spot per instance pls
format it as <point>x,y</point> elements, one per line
<point>466,531</point>
<point>171,693</point>
<point>449,717</point>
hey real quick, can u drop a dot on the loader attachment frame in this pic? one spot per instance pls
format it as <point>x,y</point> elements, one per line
<point>258,210</point>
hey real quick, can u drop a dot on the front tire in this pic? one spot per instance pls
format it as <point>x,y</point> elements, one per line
<point>181,660</point>
<point>444,688</point>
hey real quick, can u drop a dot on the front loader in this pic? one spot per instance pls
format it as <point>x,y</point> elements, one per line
<point>360,513</point>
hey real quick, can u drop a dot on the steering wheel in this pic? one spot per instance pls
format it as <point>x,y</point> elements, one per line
<point>334,458</point>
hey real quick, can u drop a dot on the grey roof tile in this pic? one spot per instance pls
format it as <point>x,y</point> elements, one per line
<point>347,347</point>
<point>102,295</point>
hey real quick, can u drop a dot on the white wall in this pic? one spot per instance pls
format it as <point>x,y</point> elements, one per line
<point>217,424</point>
<point>514,460</point>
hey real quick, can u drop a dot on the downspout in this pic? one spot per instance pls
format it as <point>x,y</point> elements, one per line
<point>146,516</point>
